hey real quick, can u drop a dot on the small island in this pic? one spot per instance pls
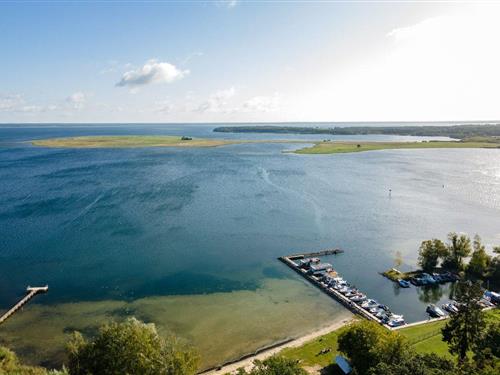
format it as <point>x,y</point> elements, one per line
<point>126,141</point>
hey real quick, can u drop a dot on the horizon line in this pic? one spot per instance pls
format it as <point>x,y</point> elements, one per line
<point>481,122</point>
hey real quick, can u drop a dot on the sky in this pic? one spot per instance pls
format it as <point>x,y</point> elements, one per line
<point>248,61</point>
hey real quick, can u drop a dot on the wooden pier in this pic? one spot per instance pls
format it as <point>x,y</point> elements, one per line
<point>31,292</point>
<point>315,254</point>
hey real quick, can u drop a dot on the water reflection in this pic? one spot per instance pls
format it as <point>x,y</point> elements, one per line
<point>430,293</point>
<point>396,288</point>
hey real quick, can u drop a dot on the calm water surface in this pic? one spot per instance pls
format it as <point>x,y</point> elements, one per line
<point>167,233</point>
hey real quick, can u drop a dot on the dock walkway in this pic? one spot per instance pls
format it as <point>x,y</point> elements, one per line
<point>315,254</point>
<point>339,297</point>
<point>31,292</point>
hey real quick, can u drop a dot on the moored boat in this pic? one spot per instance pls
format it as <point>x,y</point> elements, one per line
<point>450,307</point>
<point>435,311</point>
<point>403,283</point>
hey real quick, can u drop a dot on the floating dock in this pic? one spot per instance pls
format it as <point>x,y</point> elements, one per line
<point>31,292</point>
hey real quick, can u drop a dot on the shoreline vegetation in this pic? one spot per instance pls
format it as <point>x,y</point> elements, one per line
<point>451,131</point>
<point>318,147</point>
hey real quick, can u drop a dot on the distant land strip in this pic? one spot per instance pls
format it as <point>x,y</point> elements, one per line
<point>134,141</point>
<point>337,147</point>
<point>452,131</point>
<point>128,141</point>
<point>318,147</point>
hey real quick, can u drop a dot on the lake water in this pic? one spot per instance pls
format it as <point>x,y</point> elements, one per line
<point>188,238</point>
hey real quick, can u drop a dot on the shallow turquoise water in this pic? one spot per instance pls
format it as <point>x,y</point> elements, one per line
<point>128,223</point>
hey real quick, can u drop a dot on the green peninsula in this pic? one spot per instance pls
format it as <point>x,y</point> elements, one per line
<point>333,147</point>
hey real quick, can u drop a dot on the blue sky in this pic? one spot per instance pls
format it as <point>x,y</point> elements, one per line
<point>201,61</point>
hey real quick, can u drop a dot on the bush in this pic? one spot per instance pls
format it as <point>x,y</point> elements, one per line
<point>131,347</point>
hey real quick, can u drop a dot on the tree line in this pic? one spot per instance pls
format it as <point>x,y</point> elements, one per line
<point>454,131</point>
<point>452,255</point>
<point>374,350</point>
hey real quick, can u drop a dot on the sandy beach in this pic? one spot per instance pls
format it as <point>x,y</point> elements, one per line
<point>247,363</point>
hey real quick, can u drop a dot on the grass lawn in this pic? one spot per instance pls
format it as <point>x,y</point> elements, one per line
<point>347,147</point>
<point>425,338</point>
<point>309,354</point>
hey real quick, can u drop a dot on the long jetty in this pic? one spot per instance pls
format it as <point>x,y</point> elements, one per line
<point>31,292</point>
<point>339,297</point>
<point>314,254</point>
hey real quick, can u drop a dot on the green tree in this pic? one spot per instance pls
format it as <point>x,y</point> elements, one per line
<point>427,364</point>
<point>463,330</point>
<point>10,365</point>
<point>429,254</point>
<point>275,365</point>
<point>131,347</point>
<point>480,261</point>
<point>366,344</point>
<point>494,268</point>
<point>458,248</point>
<point>487,352</point>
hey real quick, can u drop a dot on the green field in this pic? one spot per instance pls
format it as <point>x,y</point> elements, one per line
<point>128,141</point>
<point>333,147</point>
<point>425,338</point>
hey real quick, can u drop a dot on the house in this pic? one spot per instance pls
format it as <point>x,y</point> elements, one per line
<point>320,268</point>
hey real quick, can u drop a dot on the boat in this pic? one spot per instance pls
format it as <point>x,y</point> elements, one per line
<point>384,307</point>
<point>435,311</point>
<point>358,297</point>
<point>374,310</point>
<point>403,283</point>
<point>450,307</point>
<point>344,290</point>
<point>396,322</point>
<point>368,304</point>
<point>391,317</point>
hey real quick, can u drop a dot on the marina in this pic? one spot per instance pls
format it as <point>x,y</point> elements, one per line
<point>323,276</point>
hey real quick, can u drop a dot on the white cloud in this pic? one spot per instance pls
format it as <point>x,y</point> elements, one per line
<point>152,72</point>
<point>227,3</point>
<point>9,102</point>
<point>77,100</point>
<point>262,104</point>
<point>15,103</point>
<point>218,101</point>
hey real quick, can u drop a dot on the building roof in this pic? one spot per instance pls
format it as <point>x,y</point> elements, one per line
<point>343,364</point>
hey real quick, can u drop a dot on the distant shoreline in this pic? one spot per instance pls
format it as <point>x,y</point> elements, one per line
<point>318,147</point>
<point>462,131</point>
